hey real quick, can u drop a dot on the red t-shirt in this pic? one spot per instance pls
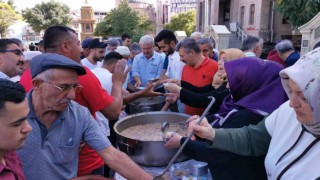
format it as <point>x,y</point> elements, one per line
<point>274,56</point>
<point>26,80</point>
<point>200,76</point>
<point>92,96</point>
<point>13,168</point>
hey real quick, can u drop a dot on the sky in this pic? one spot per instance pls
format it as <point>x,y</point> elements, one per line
<point>73,4</point>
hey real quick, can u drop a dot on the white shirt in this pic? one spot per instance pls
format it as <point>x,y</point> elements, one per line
<point>105,78</point>
<point>4,76</point>
<point>163,54</point>
<point>89,65</point>
<point>175,66</point>
<point>284,128</point>
<point>250,54</point>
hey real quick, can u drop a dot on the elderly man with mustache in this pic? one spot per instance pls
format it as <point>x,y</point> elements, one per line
<point>60,124</point>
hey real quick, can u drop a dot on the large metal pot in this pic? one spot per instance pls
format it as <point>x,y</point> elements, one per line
<point>146,104</point>
<point>148,153</point>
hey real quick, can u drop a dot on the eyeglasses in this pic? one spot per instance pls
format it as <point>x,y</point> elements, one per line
<point>17,52</point>
<point>66,88</point>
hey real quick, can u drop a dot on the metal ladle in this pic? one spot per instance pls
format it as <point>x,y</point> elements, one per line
<point>160,176</point>
<point>165,126</point>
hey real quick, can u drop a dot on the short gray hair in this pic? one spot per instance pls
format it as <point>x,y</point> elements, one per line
<point>208,41</point>
<point>113,43</point>
<point>188,44</point>
<point>135,47</point>
<point>146,39</point>
<point>250,42</point>
<point>196,35</point>
<point>284,46</point>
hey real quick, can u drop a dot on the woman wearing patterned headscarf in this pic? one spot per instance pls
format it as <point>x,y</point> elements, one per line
<point>255,91</point>
<point>290,135</point>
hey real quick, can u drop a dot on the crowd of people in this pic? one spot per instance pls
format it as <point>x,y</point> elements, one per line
<point>58,105</point>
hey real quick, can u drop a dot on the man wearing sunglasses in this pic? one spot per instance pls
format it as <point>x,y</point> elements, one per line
<point>97,52</point>
<point>11,59</point>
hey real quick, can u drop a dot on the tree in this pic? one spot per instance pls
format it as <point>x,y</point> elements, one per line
<point>183,22</point>
<point>103,28</point>
<point>120,20</point>
<point>298,12</point>
<point>11,3</point>
<point>7,17</point>
<point>47,14</point>
<point>144,26</point>
<point>124,20</point>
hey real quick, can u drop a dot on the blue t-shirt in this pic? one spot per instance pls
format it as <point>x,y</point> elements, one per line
<point>53,153</point>
<point>147,69</point>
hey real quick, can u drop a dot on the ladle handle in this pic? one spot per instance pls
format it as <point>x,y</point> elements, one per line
<point>189,137</point>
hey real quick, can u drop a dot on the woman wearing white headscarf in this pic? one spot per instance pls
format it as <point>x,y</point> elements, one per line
<point>290,135</point>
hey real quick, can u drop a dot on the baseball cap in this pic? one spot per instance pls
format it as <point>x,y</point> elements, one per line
<point>85,43</point>
<point>95,43</point>
<point>123,50</point>
<point>47,61</point>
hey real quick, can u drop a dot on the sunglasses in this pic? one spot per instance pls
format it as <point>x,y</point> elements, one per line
<point>17,52</point>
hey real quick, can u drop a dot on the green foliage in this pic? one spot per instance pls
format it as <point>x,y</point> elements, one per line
<point>103,28</point>
<point>298,12</point>
<point>11,3</point>
<point>47,14</point>
<point>124,20</point>
<point>118,21</point>
<point>182,22</point>
<point>144,26</point>
<point>7,17</point>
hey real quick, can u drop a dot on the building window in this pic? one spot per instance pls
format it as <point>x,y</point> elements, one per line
<point>252,9</point>
<point>242,15</point>
<point>88,29</point>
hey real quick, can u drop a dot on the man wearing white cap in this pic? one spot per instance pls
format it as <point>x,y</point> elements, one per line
<point>123,51</point>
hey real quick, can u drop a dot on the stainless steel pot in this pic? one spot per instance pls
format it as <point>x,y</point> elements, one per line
<point>148,153</point>
<point>146,104</point>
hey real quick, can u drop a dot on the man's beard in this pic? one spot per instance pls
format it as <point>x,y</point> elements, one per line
<point>96,59</point>
<point>170,51</point>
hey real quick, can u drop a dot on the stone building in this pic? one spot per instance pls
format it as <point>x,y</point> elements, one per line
<point>254,17</point>
<point>181,6</point>
<point>163,14</point>
<point>167,8</point>
<point>84,20</point>
<point>87,21</point>
<point>310,34</point>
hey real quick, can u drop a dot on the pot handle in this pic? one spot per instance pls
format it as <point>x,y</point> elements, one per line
<point>128,145</point>
<point>129,148</point>
<point>145,109</point>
